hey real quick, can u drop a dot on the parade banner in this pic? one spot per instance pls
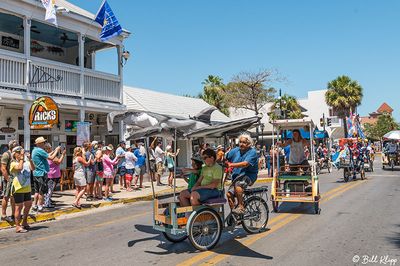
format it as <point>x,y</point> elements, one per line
<point>82,133</point>
<point>44,113</point>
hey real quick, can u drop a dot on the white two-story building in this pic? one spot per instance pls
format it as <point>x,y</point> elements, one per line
<point>39,59</point>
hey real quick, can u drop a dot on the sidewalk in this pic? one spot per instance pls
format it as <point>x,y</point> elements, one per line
<point>63,199</point>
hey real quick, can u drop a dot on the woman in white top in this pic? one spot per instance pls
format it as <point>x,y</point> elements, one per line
<point>297,156</point>
<point>130,161</point>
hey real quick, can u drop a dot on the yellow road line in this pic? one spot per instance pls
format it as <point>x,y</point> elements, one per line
<point>249,241</point>
<point>291,217</point>
<point>83,229</point>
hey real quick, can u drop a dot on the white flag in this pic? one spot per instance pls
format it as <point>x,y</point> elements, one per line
<point>50,11</point>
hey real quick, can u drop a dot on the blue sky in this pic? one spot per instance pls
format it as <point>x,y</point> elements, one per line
<point>176,44</point>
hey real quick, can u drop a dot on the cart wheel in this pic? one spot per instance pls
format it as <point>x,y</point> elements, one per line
<point>255,218</point>
<point>175,238</point>
<point>362,174</point>
<point>346,175</point>
<point>383,166</point>
<point>329,167</point>
<point>372,166</point>
<point>230,222</point>
<point>205,229</point>
<point>275,205</point>
<point>392,164</point>
<point>317,210</point>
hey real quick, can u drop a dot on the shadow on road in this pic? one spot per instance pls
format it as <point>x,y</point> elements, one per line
<point>302,208</point>
<point>395,240</point>
<point>229,244</point>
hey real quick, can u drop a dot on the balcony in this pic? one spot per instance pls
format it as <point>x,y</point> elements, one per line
<point>40,58</point>
<point>55,78</point>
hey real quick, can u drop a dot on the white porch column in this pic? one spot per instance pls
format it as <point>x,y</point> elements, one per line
<point>189,152</point>
<point>121,131</point>
<point>27,50</point>
<point>82,114</point>
<point>27,128</point>
<point>81,40</point>
<point>120,74</point>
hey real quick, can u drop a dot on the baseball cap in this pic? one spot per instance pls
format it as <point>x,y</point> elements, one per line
<point>12,144</point>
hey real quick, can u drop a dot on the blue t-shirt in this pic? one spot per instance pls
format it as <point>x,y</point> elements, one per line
<point>141,159</point>
<point>118,152</point>
<point>250,156</point>
<point>39,158</point>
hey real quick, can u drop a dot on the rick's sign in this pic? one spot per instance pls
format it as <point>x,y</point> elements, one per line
<point>43,113</point>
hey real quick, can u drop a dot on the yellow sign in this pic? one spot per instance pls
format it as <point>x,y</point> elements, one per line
<point>43,113</point>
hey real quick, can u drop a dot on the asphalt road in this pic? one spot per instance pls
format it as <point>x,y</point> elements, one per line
<point>359,218</point>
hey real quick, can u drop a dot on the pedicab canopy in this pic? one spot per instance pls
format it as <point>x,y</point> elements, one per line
<point>392,135</point>
<point>147,124</point>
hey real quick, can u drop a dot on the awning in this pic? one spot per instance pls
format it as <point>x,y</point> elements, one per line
<point>228,128</point>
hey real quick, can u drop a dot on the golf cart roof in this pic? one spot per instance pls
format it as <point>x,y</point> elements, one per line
<point>293,123</point>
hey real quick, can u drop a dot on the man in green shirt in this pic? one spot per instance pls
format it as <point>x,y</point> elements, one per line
<point>209,184</point>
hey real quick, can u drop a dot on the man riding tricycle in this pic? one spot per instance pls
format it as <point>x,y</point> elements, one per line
<point>390,154</point>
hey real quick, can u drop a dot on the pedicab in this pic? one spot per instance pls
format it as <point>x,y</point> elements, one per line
<point>203,224</point>
<point>391,158</point>
<point>295,183</point>
<point>326,162</point>
<point>352,161</point>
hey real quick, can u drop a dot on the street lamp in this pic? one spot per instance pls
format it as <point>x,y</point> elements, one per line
<point>262,126</point>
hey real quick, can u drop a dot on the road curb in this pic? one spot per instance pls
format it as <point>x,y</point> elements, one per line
<point>48,216</point>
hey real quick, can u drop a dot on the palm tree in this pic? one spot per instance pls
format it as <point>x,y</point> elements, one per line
<point>290,107</point>
<point>344,95</point>
<point>213,93</point>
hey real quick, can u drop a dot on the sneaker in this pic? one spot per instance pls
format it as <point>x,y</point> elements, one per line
<point>8,219</point>
<point>50,206</point>
<point>108,199</point>
<point>40,208</point>
<point>35,208</point>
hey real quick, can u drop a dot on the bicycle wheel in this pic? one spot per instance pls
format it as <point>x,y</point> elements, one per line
<point>205,229</point>
<point>175,238</point>
<point>255,217</point>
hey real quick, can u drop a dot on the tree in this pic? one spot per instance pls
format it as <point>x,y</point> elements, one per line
<point>344,95</point>
<point>384,124</point>
<point>213,93</point>
<point>290,107</point>
<point>251,91</point>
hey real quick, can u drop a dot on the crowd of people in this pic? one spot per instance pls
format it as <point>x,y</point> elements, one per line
<point>29,180</point>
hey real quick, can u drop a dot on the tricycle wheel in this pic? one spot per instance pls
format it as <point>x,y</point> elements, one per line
<point>275,205</point>
<point>255,217</point>
<point>392,164</point>
<point>362,174</point>
<point>329,167</point>
<point>204,229</point>
<point>317,210</point>
<point>346,175</point>
<point>174,238</point>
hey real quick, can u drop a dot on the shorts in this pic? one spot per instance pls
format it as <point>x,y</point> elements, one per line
<point>152,165</point>
<point>90,176</point>
<point>208,193</point>
<point>171,170</point>
<point>40,184</point>
<point>121,171</point>
<point>128,177</point>
<point>7,186</point>
<point>99,177</point>
<point>242,181</point>
<point>108,175</point>
<point>140,170</point>
<point>160,168</point>
<point>22,197</point>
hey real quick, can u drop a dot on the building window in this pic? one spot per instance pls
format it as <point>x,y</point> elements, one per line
<point>20,123</point>
<point>11,33</point>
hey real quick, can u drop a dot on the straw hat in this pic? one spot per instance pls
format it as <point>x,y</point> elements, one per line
<point>40,140</point>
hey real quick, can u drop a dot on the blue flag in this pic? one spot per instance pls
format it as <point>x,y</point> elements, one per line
<point>106,18</point>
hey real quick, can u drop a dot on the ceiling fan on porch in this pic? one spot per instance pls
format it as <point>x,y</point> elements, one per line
<point>33,29</point>
<point>64,38</point>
